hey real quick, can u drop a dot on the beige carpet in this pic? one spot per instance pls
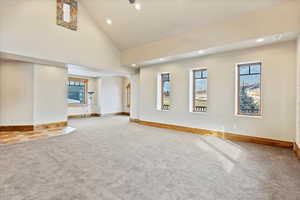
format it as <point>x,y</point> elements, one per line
<point>112,159</point>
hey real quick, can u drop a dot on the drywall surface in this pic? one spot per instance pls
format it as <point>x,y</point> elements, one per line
<point>32,94</point>
<point>28,28</point>
<point>50,99</point>
<point>111,95</point>
<point>16,93</point>
<point>278,92</point>
<point>298,94</point>
<point>135,95</point>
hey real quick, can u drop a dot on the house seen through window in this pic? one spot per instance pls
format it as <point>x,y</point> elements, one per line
<point>77,91</point>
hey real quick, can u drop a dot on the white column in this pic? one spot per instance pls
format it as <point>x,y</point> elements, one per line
<point>16,93</point>
<point>50,94</point>
<point>298,93</point>
<point>135,85</point>
<point>98,93</point>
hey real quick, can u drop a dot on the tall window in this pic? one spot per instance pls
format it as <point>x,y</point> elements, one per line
<point>200,90</point>
<point>165,91</point>
<point>77,91</point>
<point>128,91</point>
<point>249,89</point>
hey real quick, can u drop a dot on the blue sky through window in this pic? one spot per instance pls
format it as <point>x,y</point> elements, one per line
<point>249,89</point>
<point>167,86</point>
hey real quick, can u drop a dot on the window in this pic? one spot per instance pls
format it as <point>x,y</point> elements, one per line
<point>67,12</point>
<point>128,90</point>
<point>77,91</point>
<point>165,91</point>
<point>199,90</point>
<point>249,89</point>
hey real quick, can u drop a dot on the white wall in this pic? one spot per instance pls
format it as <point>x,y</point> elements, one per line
<point>32,94</point>
<point>111,99</point>
<point>126,81</point>
<point>50,94</point>
<point>16,93</point>
<point>28,28</point>
<point>92,104</point>
<point>278,88</point>
<point>298,94</point>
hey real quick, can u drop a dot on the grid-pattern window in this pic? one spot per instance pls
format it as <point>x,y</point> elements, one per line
<point>200,90</point>
<point>249,89</point>
<point>77,91</point>
<point>165,91</point>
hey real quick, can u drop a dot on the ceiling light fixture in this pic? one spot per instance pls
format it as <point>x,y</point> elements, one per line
<point>161,59</point>
<point>200,52</point>
<point>137,6</point>
<point>133,65</point>
<point>260,40</point>
<point>132,1</point>
<point>108,21</point>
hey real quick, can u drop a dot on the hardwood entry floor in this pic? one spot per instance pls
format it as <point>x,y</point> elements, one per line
<point>14,137</point>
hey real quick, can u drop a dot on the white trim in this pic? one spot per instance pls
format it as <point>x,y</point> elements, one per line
<point>159,91</point>
<point>250,62</point>
<point>249,116</point>
<point>191,89</point>
<point>162,110</point>
<point>237,90</point>
<point>199,113</point>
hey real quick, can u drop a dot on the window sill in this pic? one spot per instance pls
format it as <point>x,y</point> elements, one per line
<point>162,110</point>
<point>77,105</point>
<point>200,113</point>
<point>249,116</point>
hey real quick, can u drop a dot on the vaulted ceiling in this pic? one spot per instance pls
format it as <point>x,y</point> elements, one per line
<point>159,19</point>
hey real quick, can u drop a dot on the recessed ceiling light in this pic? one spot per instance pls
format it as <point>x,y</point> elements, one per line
<point>200,51</point>
<point>108,21</point>
<point>260,40</point>
<point>137,6</point>
<point>133,65</point>
<point>161,59</point>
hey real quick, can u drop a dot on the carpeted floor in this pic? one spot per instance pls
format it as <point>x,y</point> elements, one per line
<point>112,159</point>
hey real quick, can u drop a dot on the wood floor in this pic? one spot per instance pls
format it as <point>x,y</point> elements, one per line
<point>13,137</point>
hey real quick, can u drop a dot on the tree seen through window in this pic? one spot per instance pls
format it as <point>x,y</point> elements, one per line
<point>249,84</point>
<point>166,89</point>
<point>200,90</point>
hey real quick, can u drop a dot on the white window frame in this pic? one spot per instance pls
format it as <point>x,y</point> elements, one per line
<point>191,90</point>
<point>236,105</point>
<point>159,91</point>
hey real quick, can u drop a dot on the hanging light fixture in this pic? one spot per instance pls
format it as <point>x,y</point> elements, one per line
<point>132,1</point>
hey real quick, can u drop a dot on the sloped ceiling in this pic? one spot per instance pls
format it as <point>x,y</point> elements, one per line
<point>160,19</point>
